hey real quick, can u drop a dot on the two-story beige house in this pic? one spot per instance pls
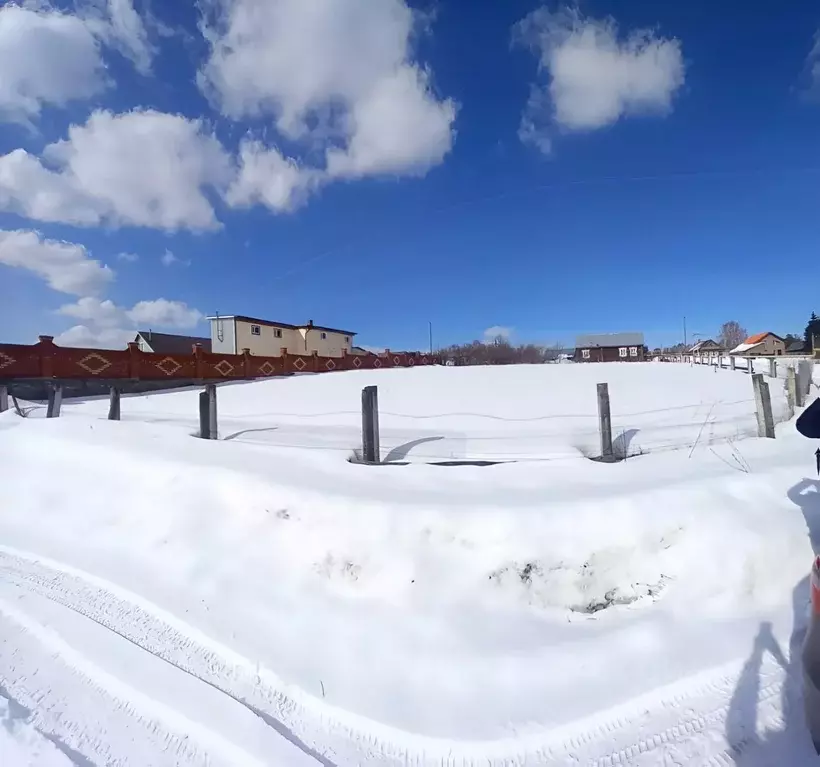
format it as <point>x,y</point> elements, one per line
<point>766,344</point>
<point>231,334</point>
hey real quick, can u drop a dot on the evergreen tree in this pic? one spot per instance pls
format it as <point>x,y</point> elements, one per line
<point>812,329</point>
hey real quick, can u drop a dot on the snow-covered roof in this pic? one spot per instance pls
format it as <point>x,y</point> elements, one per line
<point>744,347</point>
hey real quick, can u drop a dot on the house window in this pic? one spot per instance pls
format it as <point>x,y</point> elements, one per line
<point>256,330</point>
<point>622,351</point>
<point>277,332</point>
<point>633,351</point>
<point>324,336</point>
<point>585,354</point>
<point>347,339</point>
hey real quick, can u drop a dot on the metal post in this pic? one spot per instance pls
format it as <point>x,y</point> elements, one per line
<point>605,422</point>
<point>370,424</point>
<point>4,398</point>
<point>208,426</point>
<point>791,390</point>
<point>772,368</point>
<point>114,404</point>
<point>55,400</point>
<point>763,405</point>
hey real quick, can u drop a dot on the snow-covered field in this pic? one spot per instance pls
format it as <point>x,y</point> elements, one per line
<point>262,600</point>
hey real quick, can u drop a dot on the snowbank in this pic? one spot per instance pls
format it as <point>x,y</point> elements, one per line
<point>429,612</point>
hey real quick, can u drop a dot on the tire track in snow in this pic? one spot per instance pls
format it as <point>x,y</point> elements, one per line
<point>637,733</point>
<point>166,732</point>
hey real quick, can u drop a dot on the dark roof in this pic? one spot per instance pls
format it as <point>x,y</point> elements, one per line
<point>796,346</point>
<point>167,343</point>
<point>257,321</point>
<point>609,339</point>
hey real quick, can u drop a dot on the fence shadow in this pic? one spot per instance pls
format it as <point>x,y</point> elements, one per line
<point>400,452</point>
<point>622,443</point>
<point>791,743</point>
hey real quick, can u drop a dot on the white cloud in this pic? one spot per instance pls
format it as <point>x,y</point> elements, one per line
<point>120,26</point>
<point>102,313</point>
<point>65,266</point>
<point>166,314</point>
<point>338,75</point>
<point>142,168</point>
<point>128,257</point>
<point>53,57</point>
<point>106,325</point>
<point>46,57</point>
<point>595,76</point>
<point>496,331</point>
<point>267,177</point>
<point>813,63</point>
<point>95,337</point>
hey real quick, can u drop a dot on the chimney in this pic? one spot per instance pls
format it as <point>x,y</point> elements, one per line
<point>149,334</point>
<point>310,323</point>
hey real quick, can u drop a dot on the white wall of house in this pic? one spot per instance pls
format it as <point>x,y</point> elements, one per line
<point>230,335</point>
<point>263,340</point>
<point>143,344</point>
<point>770,345</point>
<point>223,335</point>
<point>326,342</point>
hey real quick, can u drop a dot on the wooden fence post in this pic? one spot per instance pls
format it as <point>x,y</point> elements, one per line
<point>370,424</point>
<point>55,400</point>
<point>208,422</point>
<point>772,368</point>
<point>246,363</point>
<point>791,390</point>
<point>4,398</point>
<point>114,404</point>
<point>763,405</point>
<point>315,356</point>
<point>605,422</point>
<point>720,361</point>
<point>732,363</point>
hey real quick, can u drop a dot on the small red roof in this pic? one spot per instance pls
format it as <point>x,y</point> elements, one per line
<point>759,337</point>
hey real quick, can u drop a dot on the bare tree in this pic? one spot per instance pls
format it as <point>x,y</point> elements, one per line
<point>732,334</point>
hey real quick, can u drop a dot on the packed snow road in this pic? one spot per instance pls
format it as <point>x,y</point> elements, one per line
<point>111,679</point>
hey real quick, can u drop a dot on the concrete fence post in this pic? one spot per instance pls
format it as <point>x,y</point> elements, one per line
<point>208,422</point>
<point>4,398</point>
<point>763,405</point>
<point>732,363</point>
<point>791,390</point>
<point>114,404</point>
<point>370,425</point>
<point>605,422</point>
<point>772,368</point>
<point>55,400</point>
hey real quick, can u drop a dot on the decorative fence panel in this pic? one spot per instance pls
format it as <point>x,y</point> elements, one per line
<point>47,360</point>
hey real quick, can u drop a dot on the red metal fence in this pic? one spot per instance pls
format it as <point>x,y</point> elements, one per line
<point>47,360</point>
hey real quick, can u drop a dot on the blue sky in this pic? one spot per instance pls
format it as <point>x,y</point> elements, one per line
<point>550,169</point>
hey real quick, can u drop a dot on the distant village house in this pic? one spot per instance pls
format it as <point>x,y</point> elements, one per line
<point>707,348</point>
<point>610,347</point>
<point>167,343</point>
<point>231,334</point>
<point>765,344</point>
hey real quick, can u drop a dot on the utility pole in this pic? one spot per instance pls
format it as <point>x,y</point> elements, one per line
<point>430,323</point>
<point>685,342</point>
